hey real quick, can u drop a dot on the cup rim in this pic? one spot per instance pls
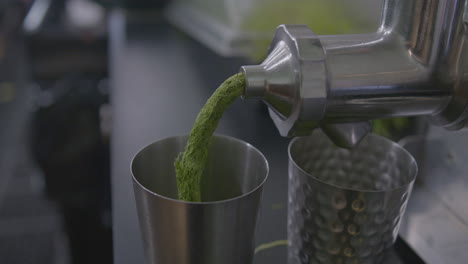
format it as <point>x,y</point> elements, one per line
<point>409,182</point>
<point>260,185</point>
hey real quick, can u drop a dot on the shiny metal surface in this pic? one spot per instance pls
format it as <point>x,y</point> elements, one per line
<point>436,221</point>
<point>347,135</point>
<point>297,60</point>
<point>415,64</point>
<point>218,230</point>
<point>345,205</point>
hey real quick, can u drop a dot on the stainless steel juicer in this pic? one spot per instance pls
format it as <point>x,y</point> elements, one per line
<point>415,64</point>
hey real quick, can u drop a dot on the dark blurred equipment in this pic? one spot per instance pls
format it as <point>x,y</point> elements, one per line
<point>66,37</point>
<point>69,148</point>
<point>67,47</point>
<point>30,227</point>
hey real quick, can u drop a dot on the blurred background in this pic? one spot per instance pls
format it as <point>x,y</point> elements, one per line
<point>84,84</point>
<point>54,147</point>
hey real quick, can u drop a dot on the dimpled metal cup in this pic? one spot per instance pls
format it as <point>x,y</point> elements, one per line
<point>218,230</point>
<point>345,205</point>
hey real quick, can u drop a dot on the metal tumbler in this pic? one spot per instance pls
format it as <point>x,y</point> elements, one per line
<point>221,228</point>
<point>345,205</point>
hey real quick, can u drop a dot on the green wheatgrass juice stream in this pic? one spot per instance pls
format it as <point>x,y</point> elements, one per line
<point>189,165</point>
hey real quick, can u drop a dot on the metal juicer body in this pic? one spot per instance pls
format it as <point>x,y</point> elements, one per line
<point>415,64</point>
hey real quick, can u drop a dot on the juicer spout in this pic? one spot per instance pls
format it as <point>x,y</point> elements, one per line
<point>415,64</point>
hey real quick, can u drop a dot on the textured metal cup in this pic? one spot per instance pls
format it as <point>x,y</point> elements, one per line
<point>345,205</point>
<point>218,230</point>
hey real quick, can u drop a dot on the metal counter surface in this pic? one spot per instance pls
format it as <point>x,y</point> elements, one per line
<point>160,79</point>
<point>436,220</point>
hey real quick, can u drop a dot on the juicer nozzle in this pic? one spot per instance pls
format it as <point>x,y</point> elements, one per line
<point>339,83</point>
<point>292,82</point>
